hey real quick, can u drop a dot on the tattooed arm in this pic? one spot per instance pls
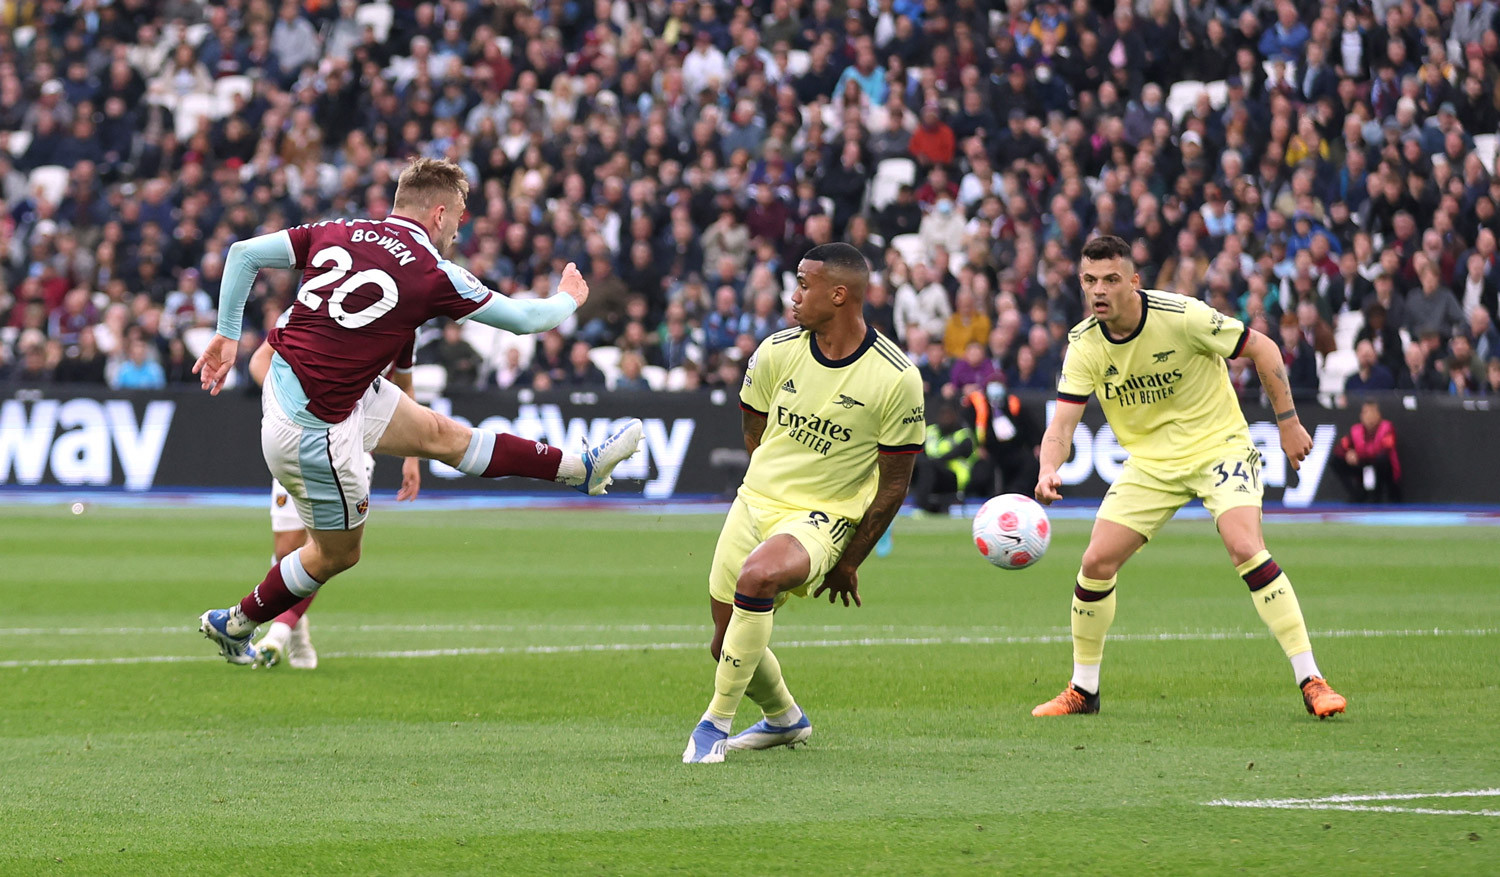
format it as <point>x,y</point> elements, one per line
<point>754,426</point>
<point>1057,444</point>
<point>894,478</point>
<point>1273,379</point>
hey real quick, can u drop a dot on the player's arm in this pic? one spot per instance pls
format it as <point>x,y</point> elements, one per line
<point>753,423</point>
<point>1057,444</point>
<point>411,467</point>
<point>244,261</point>
<point>1278,388</point>
<point>894,478</point>
<point>530,316</point>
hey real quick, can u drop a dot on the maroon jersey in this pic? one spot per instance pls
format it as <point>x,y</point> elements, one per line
<point>367,285</point>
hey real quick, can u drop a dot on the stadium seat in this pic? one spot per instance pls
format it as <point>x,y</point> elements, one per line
<point>492,344</point>
<point>196,340</point>
<point>22,36</point>
<point>428,382</point>
<point>1337,367</point>
<point>51,179</point>
<point>911,248</point>
<point>1346,326</point>
<point>656,377</point>
<point>377,16</point>
<point>195,34</point>
<point>607,360</point>
<point>1182,97</point>
<point>17,141</point>
<point>826,203</point>
<point>1484,147</point>
<point>1218,93</point>
<point>798,62</point>
<point>226,88</point>
<point>890,176</point>
<point>190,109</point>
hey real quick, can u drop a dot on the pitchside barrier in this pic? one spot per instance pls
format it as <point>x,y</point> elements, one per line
<point>61,437</point>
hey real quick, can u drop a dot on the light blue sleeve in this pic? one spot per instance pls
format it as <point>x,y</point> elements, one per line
<point>525,316</point>
<point>244,261</point>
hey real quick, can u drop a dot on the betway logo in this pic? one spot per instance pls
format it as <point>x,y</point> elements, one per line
<point>665,446</point>
<point>1099,452</point>
<point>77,441</point>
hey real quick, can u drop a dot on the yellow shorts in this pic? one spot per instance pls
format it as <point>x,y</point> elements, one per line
<point>821,535</point>
<point>1146,496</point>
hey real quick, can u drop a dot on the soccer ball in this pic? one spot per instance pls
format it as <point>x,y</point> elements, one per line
<point>1012,531</point>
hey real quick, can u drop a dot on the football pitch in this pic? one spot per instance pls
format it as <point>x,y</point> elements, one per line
<point>509,692</point>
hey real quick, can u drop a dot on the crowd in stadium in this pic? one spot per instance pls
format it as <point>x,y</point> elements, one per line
<point>1321,171</point>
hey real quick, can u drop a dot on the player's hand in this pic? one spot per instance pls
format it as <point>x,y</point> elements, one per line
<point>411,480</point>
<point>214,365</point>
<point>574,285</point>
<point>840,583</point>
<point>1295,442</point>
<point>1048,488</point>
<point>1352,458</point>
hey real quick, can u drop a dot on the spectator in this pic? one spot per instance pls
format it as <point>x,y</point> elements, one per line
<point>1464,375</point>
<point>1418,375</point>
<point>1432,307</point>
<point>84,364</point>
<point>631,376</point>
<point>764,318</point>
<point>1300,359</point>
<point>1372,376</point>
<point>459,358</point>
<point>582,373</point>
<point>933,142</point>
<point>139,370</point>
<point>1492,376</point>
<point>947,460</point>
<point>1486,336</point>
<point>879,312</point>
<point>1365,459</point>
<point>901,216</point>
<point>967,325</point>
<point>971,372</point>
<point>1383,337</point>
<point>922,301</point>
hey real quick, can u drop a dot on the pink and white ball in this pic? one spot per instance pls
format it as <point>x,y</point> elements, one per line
<point>1012,531</point>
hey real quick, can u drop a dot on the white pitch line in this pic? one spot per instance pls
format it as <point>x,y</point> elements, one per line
<point>1345,803</point>
<point>698,644</point>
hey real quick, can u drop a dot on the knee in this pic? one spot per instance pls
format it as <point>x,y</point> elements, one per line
<point>1097,565</point>
<point>758,580</point>
<point>1243,548</point>
<point>344,559</point>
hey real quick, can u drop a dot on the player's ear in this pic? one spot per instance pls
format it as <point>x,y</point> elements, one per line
<point>839,294</point>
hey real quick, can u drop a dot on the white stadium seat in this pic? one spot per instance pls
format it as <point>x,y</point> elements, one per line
<point>17,142</point>
<point>51,179</point>
<point>1182,97</point>
<point>911,248</point>
<point>428,382</point>
<point>656,377</point>
<point>1337,367</point>
<point>190,109</point>
<point>196,340</point>
<point>377,16</point>
<point>1484,147</point>
<point>798,62</point>
<point>890,176</point>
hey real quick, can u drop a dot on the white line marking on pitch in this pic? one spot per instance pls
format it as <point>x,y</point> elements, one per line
<point>1347,803</point>
<point>804,643</point>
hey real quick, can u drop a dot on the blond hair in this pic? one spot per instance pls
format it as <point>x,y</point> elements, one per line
<point>427,179</point>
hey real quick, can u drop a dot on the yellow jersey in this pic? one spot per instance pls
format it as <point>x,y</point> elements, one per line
<point>1165,389</point>
<point>827,421</point>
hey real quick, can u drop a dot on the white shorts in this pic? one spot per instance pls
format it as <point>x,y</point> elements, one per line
<point>284,517</point>
<point>324,471</point>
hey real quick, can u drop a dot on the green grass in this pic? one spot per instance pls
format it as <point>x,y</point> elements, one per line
<point>925,759</point>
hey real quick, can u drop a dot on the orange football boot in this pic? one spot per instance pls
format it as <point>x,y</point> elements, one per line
<point>1320,700</point>
<point>1073,700</point>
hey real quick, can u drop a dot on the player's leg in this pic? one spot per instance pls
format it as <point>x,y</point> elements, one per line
<point>417,431</point>
<point>323,471</point>
<point>1134,508</point>
<point>1277,604</point>
<point>287,535</point>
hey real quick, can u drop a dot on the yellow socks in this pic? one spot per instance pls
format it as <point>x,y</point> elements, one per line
<point>745,642</point>
<point>768,689</point>
<point>1093,613</point>
<point>1277,604</point>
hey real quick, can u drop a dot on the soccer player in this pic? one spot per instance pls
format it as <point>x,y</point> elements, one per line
<point>833,419</point>
<point>1156,362</point>
<point>367,286</point>
<point>288,637</point>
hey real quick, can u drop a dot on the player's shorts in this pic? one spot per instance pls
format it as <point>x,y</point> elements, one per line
<point>821,535</point>
<point>324,471</point>
<point>284,517</point>
<point>1146,496</point>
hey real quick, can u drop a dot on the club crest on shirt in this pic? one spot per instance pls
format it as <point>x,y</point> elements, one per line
<point>1162,357</point>
<point>847,401</point>
<point>1217,320</point>
<point>364,505</point>
<point>280,500</point>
